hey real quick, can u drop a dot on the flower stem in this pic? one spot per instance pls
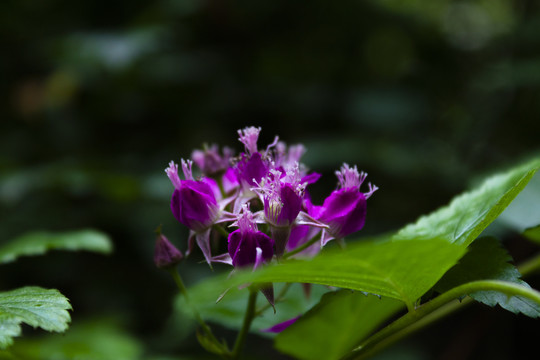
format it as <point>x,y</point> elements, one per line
<point>248,319</point>
<point>222,231</point>
<point>443,304</point>
<point>530,266</point>
<point>180,284</point>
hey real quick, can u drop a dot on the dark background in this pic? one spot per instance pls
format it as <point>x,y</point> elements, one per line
<point>98,97</point>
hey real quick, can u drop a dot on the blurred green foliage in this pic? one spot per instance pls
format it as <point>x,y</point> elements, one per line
<point>97,98</point>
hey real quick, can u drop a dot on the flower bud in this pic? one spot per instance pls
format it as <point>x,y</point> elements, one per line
<point>165,253</point>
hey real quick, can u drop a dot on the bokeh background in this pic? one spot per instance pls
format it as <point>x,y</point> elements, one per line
<point>99,97</point>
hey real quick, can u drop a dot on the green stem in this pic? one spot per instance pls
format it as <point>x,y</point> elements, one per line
<point>180,284</point>
<point>530,266</point>
<point>303,246</point>
<point>248,319</point>
<point>222,231</point>
<point>414,320</point>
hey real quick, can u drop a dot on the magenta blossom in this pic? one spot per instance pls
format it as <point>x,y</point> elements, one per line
<point>248,246</point>
<point>210,161</point>
<point>194,203</point>
<point>344,211</point>
<point>282,196</point>
<point>253,165</point>
<point>251,169</point>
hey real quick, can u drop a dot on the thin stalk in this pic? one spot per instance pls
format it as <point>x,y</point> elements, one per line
<point>222,231</point>
<point>303,246</point>
<point>248,319</point>
<point>530,266</point>
<point>411,321</point>
<point>180,284</point>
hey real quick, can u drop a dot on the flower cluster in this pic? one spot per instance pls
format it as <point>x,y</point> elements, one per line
<point>267,187</point>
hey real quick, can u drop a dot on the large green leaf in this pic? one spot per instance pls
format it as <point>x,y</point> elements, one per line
<point>348,316</point>
<point>470,213</point>
<point>524,211</point>
<point>487,260</point>
<point>37,243</point>
<point>402,270</point>
<point>38,307</point>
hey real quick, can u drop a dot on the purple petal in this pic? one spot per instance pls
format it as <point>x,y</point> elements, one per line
<point>213,185</point>
<point>311,178</point>
<point>223,258</point>
<point>210,161</point>
<point>252,169</point>
<point>301,234</point>
<point>234,240</point>
<point>298,236</point>
<point>243,247</point>
<point>266,244</point>
<point>312,210</point>
<point>344,211</point>
<point>292,203</point>
<point>194,205</point>
<point>281,326</point>
<point>230,181</point>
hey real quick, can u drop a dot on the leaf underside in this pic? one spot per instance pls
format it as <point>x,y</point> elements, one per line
<point>35,306</point>
<point>487,260</point>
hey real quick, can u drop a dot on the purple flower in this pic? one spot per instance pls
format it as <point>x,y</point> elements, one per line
<point>344,211</point>
<point>249,137</point>
<point>253,164</point>
<point>194,203</point>
<point>281,195</point>
<point>281,326</point>
<point>210,161</point>
<point>251,169</point>
<point>165,253</point>
<point>248,246</point>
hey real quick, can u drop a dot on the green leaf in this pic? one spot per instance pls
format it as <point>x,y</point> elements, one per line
<point>99,339</point>
<point>524,211</point>
<point>348,316</point>
<point>37,307</point>
<point>487,260</point>
<point>402,270</point>
<point>38,243</point>
<point>470,213</point>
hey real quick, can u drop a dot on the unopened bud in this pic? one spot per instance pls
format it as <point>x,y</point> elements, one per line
<point>165,253</point>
